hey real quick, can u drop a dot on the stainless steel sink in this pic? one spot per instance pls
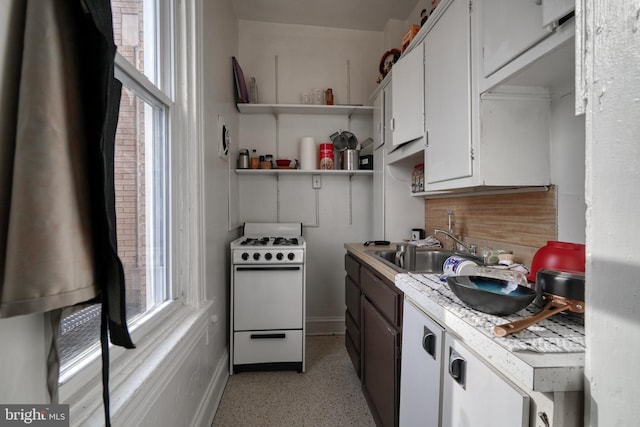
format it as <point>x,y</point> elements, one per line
<point>427,260</point>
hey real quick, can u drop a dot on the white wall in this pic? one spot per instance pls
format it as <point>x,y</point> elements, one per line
<point>612,317</point>
<point>310,57</point>
<point>567,138</point>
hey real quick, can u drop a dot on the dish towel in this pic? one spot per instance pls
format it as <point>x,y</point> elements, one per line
<point>429,242</point>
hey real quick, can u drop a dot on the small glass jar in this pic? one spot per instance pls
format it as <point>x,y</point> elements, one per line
<point>328,97</point>
<point>255,160</point>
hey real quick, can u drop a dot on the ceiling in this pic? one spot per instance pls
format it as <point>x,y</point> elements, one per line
<point>371,15</point>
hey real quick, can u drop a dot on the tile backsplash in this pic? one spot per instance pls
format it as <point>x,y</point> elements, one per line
<point>521,222</point>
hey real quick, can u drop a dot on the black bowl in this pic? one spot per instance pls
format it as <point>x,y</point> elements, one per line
<point>490,295</point>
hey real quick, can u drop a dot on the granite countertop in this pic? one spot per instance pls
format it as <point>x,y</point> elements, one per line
<point>547,357</point>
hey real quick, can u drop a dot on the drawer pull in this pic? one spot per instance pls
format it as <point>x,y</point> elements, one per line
<point>457,368</point>
<point>429,342</point>
<point>267,336</point>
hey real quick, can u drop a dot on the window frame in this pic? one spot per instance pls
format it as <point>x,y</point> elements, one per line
<point>81,383</point>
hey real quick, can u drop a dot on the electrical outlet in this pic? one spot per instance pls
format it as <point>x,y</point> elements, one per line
<point>316,181</point>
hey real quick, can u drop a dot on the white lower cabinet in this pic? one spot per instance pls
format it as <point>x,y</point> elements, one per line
<point>473,394</point>
<point>443,383</point>
<point>421,371</point>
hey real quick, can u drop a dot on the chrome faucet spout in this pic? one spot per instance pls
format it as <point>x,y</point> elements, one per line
<point>470,249</point>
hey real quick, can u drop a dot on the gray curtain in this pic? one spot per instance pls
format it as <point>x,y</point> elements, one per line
<point>59,108</point>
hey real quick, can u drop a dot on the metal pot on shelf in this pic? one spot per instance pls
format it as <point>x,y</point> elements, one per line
<point>347,153</point>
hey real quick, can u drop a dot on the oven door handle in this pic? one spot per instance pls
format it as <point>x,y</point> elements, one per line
<point>270,268</point>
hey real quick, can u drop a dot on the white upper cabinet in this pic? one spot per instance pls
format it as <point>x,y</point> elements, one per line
<point>481,133</point>
<point>447,82</point>
<point>519,42</point>
<point>510,28</point>
<point>407,123</point>
<point>473,140</point>
<point>555,10</point>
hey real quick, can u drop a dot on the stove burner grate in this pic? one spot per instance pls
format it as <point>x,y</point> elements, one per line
<point>283,241</point>
<point>250,241</point>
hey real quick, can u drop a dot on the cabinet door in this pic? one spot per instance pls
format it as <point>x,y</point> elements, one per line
<point>422,343</point>
<point>379,358</point>
<point>509,28</point>
<point>447,81</point>
<point>473,394</point>
<point>553,10</point>
<point>408,97</point>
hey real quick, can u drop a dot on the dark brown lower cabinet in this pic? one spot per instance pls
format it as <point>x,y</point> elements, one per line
<point>380,365</point>
<point>352,313</point>
<point>373,323</point>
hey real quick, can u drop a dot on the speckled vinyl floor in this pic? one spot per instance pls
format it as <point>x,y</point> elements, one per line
<point>327,394</point>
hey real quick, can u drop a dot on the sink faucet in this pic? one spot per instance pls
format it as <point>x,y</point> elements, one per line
<point>472,249</point>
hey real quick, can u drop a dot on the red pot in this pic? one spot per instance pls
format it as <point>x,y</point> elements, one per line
<point>559,256</point>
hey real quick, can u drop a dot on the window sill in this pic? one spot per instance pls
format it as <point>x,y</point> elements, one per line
<point>135,373</point>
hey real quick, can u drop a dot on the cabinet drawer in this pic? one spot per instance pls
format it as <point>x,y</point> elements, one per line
<point>352,298</point>
<point>386,299</point>
<point>258,347</point>
<point>352,266</point>
<point>352,329</point>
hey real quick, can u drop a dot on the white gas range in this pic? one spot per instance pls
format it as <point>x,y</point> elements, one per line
<point>268,298</point>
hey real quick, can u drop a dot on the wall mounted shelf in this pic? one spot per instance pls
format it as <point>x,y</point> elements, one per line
<point>302,172</point>
<point>342,110</point>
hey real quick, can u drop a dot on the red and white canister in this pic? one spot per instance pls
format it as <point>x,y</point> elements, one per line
<point>326,156</point>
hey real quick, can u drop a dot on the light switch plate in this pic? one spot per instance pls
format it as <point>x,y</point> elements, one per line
<point>316,181</point>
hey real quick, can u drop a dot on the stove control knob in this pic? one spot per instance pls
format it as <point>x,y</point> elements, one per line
<point>256,256</point>
<point>268,256</point>
<point>291,256</point>
<point>279,256</point>
<point>245,256</point>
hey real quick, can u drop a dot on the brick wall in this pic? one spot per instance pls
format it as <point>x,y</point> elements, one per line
<point>129,156</point>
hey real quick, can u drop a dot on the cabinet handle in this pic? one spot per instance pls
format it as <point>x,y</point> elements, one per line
<point>457,368</point>
<point>267,336</point>
<point>393,124</point>
<point>543,417</point>
<point>429,342</point>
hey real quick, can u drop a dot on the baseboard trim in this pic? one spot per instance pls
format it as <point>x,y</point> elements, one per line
<point>209,406</point>
<point>325,325</point>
